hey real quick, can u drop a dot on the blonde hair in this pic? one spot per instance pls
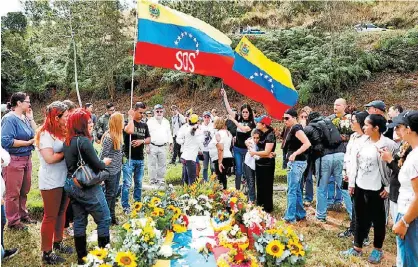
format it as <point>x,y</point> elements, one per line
<point>219,124</point>
<point>306,110</point>
<point>116,130</point>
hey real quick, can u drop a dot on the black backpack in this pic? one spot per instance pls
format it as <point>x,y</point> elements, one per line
<point>330,135</point>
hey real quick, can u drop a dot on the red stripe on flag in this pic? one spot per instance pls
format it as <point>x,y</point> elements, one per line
<point>257,93</point>
<point>183,60</point>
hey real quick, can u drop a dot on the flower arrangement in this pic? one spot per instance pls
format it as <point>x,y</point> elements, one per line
<point>280,245</point>
<point>233,236</point>
<point>237,257</point>
<point>221,220</point>
<point>206,250</point>
<point>343,125</point>
<point>257,218</point>
<point>200,206</point>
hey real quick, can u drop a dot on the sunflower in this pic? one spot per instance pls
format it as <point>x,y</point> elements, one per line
<point>126,226</point>
<point>275,248</point>
<point>127,259</point>
<point>179,228</point>
<point>138,206</point>
<point>296,248</point>
<point>161,194</point>
<point>99,253</point>
<point>154,202</point>
<point>134,214</point>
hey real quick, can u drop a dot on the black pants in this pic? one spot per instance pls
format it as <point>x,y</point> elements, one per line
<point>176,151</point>
<point>369,207</point>
<point>264,177</point>
<point>227,163</point>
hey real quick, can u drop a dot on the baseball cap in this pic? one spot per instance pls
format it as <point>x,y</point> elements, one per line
<point>264,119</point>
<point>158,106</point>
<point>377,104</point>
<point>206,113</point>
<point>194,119</point>
<point>407,118</point>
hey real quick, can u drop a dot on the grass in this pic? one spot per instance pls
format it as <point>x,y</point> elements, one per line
<point>322,239</point>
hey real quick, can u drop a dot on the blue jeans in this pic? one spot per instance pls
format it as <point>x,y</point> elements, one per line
<point>250,177</point>
<point>3,223</point>
<point>206,163</point>
<point>189,168</point>
<point>308,183</point>
<point>295,208</point>
<point>348,203</point>
<point>135,167</point>
<point>112,186</point>
<point>334,192</point>
<point>87,201</point>
<point>327,166</point>
<point>408,247</point>
<point>239,156</point>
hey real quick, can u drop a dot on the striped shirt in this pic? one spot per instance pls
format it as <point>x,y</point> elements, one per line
<point>108,151</point>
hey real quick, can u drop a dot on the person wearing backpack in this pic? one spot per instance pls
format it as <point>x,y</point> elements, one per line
<point>176,122</point>
<point>329,162</point>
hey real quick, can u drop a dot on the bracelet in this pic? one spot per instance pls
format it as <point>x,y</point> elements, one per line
<point>404,222</point>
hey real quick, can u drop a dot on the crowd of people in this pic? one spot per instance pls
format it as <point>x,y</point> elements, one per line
<point>359,161</point>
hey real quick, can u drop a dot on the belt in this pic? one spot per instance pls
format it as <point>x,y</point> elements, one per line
<point>159,145</point>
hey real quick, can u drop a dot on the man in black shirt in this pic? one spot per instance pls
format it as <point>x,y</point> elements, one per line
<point>136,135</point>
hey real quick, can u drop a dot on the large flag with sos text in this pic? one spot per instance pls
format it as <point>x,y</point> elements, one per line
<point>170,39</point>
<point>259,78</point>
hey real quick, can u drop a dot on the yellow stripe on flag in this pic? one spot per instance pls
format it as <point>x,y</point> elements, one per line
<point>168,241</point>
<point>159,13</point>
<point>251,53</point>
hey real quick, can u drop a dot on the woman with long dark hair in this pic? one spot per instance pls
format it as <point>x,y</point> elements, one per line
<point>90,200</point>
<point>223,140</point>
<point>370,175</point>
<point>49,140</point>
<point>245,124</point>
<point>17,137</point>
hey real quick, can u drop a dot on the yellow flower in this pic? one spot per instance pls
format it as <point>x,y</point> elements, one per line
<point>154,202</point>
<point>105,265</point>
<point>157,212</point>
<point>134,214</point>
<point>222,263</point>
<point>161,194</point>
<point>296,248</point>
<point>179,228</point>
<point>275,231</point>
<point>126,226</point>
<point>99,253</point>
<point>233,200</point>
<point>275,248</point>
<point>138,206</point>
<point>127,259</point>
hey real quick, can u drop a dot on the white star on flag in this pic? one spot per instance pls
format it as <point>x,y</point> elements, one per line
<point>255,73</point>
<point>261,74</point>
<point>190,35</point>
<point>272,86</point>
<point>271,91</point>
<point>197,44</point>
<point>265,76</point>
<point>179,38</point>
<point>197,51</point>
<point>185,33</point>
<point>176,42</point>
<point>271,80</point>
<point>182,34</point>
<point>251,77</point>
<point>194,39</point>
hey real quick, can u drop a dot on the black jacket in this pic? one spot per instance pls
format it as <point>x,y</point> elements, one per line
<point>87,152</point>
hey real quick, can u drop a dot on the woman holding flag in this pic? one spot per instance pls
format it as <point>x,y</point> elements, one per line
<point>245,124</point>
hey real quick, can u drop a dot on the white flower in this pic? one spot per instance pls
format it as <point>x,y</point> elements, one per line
<point>166,251</point>
<point>137,232</point>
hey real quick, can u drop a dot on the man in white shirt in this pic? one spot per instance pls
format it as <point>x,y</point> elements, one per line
<point>159,128</point>
<point>176,122</point>
<point>209,132</point>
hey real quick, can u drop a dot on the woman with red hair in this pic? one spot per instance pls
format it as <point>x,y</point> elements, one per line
<point>85,200</point>
<point>49,141</point>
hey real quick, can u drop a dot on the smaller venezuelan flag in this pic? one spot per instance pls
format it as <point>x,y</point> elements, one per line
<point>262,80</point>
<point>170,39</point>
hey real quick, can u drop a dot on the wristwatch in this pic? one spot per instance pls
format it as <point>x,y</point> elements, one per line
<point>404,222</point>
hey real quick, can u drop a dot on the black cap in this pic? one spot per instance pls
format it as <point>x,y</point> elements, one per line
<point>292,112</point>
<point>377,104</point>
<point>407,118</point>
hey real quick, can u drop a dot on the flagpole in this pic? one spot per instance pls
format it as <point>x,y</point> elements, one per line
<point>132,80</point>
<point>75,62</point>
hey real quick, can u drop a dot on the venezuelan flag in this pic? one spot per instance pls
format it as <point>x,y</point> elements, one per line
<point>259,78</point>
<point>170,39</point>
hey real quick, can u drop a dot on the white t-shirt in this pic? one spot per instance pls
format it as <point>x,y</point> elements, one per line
<point>368,173</point>
<point>51,175</point>
<point>408,172</point>
<point>226,140</point>
<point>5,157</point>
<point>208,133</point>
<point>160,132</point>
<point>191,144</point>
<point>250,161</point>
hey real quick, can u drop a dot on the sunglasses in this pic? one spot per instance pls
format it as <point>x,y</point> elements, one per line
<point>159,111</point>
<point>286,118</point>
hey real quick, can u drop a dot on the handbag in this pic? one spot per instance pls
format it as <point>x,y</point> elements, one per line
<point>84,176</point>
